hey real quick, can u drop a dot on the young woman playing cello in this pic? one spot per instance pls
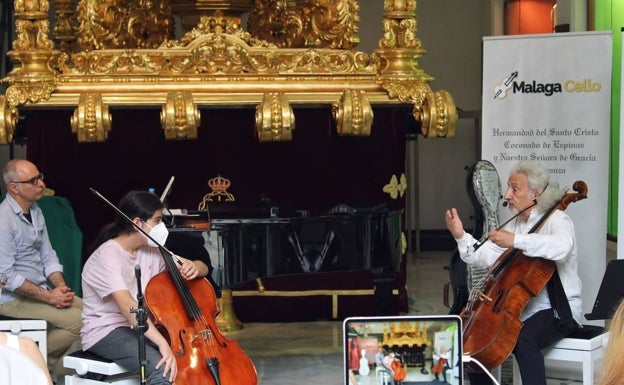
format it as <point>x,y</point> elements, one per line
<point>109,288</point>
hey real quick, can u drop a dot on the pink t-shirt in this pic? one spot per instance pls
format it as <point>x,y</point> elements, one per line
<point>111,268</point>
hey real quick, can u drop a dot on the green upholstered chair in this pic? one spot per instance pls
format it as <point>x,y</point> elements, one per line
<point>65,236</point>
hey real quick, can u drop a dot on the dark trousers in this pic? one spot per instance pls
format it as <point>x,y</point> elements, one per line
<point>122,346</point>
<point>539,331</point>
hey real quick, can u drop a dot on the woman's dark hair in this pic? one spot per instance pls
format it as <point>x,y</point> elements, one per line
<point>135,204</point>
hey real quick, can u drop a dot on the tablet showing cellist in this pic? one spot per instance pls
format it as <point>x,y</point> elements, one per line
<point>538,232</point>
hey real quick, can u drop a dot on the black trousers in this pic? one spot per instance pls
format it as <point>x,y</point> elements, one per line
<point>539,331</point>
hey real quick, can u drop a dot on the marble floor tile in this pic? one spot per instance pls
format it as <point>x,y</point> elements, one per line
<point>311,353</point>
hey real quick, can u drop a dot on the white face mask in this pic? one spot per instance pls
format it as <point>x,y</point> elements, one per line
<point>159,233</point>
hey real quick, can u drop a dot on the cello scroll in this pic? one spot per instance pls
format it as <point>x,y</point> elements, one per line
<point>581,193</point>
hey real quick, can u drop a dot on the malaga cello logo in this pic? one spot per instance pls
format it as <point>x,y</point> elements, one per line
<point>513,85</point>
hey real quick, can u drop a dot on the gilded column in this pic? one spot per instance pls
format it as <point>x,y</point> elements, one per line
<point>396,61</point>
<point>399,49</point>
<point>33,54</point>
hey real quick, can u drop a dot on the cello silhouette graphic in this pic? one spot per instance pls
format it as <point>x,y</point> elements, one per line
<point>500,91</point>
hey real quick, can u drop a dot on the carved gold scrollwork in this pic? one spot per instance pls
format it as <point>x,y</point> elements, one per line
<point>438,115</point>
<point>275,119</point>
<point>33,9</point>
<point>399,25</point>
<point>8,121</point>
<point>190,11</point>
<point>353,114</point>
<point>436,111</point>
<point>180,117</point>
<point>399,8</point>
<point>91,120</point>
<point>120,24</point>
<point>33,55</point>
<point>306,23</point>
<point>31,92</point>
<point>400,49</point>
<point>66,25</point>
<point>31,25</point>
<point>33,75</point>
<point>292,51</point>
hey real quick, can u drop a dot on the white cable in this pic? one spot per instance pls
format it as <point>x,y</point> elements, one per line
<point>466,358</point>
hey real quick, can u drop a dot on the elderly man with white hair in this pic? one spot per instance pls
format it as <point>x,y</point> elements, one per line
<point>556,310</point>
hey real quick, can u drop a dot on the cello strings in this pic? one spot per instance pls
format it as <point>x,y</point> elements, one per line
<point>185,296</point>
<point>480,285</point>
<point>190,305</point>
<point>192,308</point>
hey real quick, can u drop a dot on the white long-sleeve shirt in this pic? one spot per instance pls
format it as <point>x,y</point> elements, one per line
<point>555,241</point>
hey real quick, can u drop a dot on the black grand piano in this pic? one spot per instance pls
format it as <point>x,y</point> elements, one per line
<point>301,267</point>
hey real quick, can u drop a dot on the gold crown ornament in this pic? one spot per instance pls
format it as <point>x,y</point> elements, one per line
<point>219,186</point>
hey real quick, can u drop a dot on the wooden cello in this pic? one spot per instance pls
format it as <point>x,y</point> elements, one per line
<point>491,318</point>
<point>397,370</point>
<point>185,314</point>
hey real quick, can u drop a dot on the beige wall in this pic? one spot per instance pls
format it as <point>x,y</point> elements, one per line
<point>451,32</point>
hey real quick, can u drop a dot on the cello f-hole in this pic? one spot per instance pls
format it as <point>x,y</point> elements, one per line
<point>182,351</point>
<point>499,296</point>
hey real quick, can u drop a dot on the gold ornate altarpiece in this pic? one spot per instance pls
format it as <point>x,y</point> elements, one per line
<point>93,54</point>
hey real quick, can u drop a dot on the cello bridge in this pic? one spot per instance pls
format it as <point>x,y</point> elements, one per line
<point>483,297</point>
<point>205,334</point>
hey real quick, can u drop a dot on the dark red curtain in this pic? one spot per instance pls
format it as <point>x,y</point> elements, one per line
<point>315,171</point>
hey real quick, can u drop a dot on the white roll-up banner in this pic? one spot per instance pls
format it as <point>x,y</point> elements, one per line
<point>547,98</point>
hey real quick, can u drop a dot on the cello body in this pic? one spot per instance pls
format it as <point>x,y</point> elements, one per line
<point>491,319</point>
<point>439,366</point>
<point>492,328</point>
<point>397,369</point>
<point>196,342</point>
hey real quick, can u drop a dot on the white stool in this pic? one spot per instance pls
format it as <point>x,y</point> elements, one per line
<point>35,329</point>
<point>94,370</point>
<point>585,346</point>
<point>383,377</point>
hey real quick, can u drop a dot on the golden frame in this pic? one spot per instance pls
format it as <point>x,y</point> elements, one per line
<point>295,52</point>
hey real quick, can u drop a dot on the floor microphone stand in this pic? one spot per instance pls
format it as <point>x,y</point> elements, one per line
<point>141,317</point>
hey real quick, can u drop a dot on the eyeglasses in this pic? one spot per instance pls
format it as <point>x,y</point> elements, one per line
<point>33,180</point>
